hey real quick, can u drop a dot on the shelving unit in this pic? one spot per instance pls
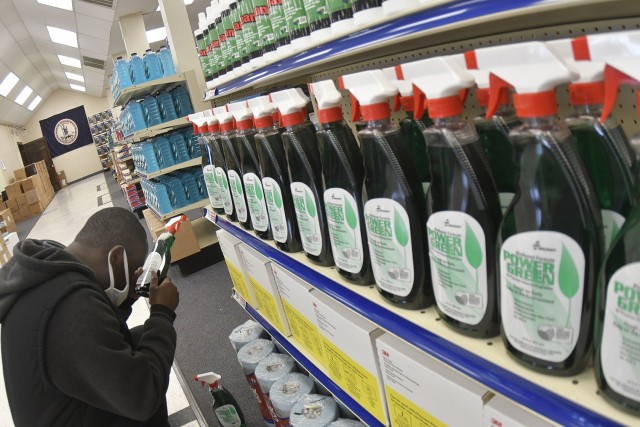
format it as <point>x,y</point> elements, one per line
<point>187,164</point>
<point>138,91</point>
<point>158,129</point>
<point>197,205</point>
<point>100,125</point>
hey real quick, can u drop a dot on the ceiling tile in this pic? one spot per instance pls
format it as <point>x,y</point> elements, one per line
<point>84,8</point>
<point>9,14</point>
<point>94,26</point>
<point>88,43</point>
<point>28,46</point>
<point>19,31</point>
<point>61,19</point>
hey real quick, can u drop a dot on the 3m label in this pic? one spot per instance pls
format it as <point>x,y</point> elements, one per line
<point>307,215</point>
<point>612,222</point>
<point>541,288</point>
<point>458,265</point>
<point>213,190</point>
<point>404,413</point>
<point>389,237</point>
<point>225,192</point>
<point>505,200</point>
<point>266,304</point>
<point>275,207</point>
<point>238,281</point>
<point>620,347</point>
<point>295,15</point>
<point>304,331</point>
<point>228,416</point>
<point>344,229</point>
<point>361,384</point>
<point>255,200</point>
<point>238,196</point>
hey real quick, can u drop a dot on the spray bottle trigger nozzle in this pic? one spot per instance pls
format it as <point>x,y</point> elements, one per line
<point>613,78</point>
<point>419,99</point>
<point>464,94</point>
<point>396,102</point>
<point>496,87</point>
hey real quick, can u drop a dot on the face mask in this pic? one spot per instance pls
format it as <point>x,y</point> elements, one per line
<point>117,296</point>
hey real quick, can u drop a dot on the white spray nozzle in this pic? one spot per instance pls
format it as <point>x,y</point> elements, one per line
<point>261,106</point>
<point>289,101</point>
<point>202,21</point>
<point>210,378</point>
<point>437,77</point>
<point>588,71</point>
<point>240,110</point>
<point>222,114</point>
<point>326,93</point>
<point>481,77</point>
<point>368,89</point>
<point>211,118</point>
<point>404,86</point>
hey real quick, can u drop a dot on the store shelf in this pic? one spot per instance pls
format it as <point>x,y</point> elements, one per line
<point>310,363</point>
<point>205,236</point>
<point>197,205</point>
<point>569,401</point>
<point>141,90</point>
<point>124,159</point>
<point>129,183</point>
<point>187,164</point>
<point>439,22</point>
<point>152,131</point>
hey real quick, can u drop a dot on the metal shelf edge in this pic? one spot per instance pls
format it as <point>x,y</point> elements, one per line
<point>179,166</point>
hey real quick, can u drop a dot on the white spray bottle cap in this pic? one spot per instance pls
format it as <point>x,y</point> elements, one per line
<point>328,100</point>
<point>241,114</point>
<point>262,110</point>
<point>370,92</point>
<point>202,23</point>
<point>404,99</point>
<point>621,54</point>
<point>199,122</point>
<point>225,118</point>
<point>443,82</point>
<point>290,103</point>
<point>209,378</point>
<point>531,69</point>
<point>211,15</point>
<point>481,78</point>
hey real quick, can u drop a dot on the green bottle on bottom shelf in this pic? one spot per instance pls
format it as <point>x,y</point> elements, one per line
<point>225,407</point>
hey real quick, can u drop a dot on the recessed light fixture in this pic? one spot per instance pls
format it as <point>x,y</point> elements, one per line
<point>61,4</point>
<point>23,95</point>
<point>74,76</point>
<point>156,35</point>
<point>67,60</point>
<point>65,37</point>
<point>186,2</point>
<point>8,84</point>
<point>78,87</point>
<point>34,103</point>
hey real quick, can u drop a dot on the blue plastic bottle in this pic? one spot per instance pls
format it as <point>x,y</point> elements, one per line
<point>122,71</point>
<point>164,152</point>
<point>136,67</point>
<point>182,101</point>
<point>167,108</point>
<point>153,110</point>
<point>168,69</point>
<point>179,147</point>
<point>153,68</point>
<point>137,116</point>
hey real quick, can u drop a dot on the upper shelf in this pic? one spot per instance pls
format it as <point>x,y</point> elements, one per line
<point>438,22</point>
<point>149,132</point>
<point>568,401</point>
<point>141,90</point>
<point>189,163</point>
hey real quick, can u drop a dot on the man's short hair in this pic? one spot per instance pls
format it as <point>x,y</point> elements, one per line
<point>111,227</point>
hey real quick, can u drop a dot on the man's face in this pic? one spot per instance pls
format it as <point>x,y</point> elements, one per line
<point>135,259</point>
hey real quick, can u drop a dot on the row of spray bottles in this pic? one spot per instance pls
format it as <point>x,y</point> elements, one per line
<point>522,205</point>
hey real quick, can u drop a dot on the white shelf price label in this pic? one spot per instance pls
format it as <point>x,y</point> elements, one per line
<point>239,299</point>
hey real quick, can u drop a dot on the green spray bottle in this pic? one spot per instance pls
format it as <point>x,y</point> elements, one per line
<point>465,210</point>
<point>550,242</point>
<point>305,174</point>
<point>603,146</point>
<point>225,407</point>
<point>244,142</point>
<point>618,308</point>
<point>220,165</point>
<point>201,130</point>
<point>394,211</point>
<point>234,168</point>
<point>343,178</point>
<point>275,176</point>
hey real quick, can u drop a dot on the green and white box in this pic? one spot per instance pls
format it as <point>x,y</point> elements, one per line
<point>265,291</point>
<point>230,246</point>
<point>502,412</point>
<point>421,390</point>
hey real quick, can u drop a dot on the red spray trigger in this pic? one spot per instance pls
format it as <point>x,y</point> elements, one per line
<point>396,102</point>
<point>173,226</point>
<point>497,87</point>
<point>470,60</point>
<point>464,94</point>
<point>613,78</point>
<point>419,102</point>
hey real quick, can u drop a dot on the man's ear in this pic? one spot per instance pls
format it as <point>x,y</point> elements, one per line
<point>116,255</point>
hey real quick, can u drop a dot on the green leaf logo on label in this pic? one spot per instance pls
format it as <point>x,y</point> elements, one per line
<point>238,186</point>
<point>225,183</point>
<point>277,198</point>
<point>311,207</point>
<point>400,229</point>
<point>568,279</point>
<point>472,249</point>
<point>350,215</point>
<point>614,231</point>
<point>258,188</point>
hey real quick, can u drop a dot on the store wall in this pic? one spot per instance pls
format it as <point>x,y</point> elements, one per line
<point>10,158</point>
<point>77,163</point>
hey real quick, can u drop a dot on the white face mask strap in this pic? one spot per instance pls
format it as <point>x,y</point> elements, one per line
<point>126,272</point>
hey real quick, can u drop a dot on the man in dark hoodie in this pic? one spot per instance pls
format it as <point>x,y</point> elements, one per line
<point>68,356</point>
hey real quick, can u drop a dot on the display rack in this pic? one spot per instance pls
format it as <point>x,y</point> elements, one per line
<point>158,129</point>
<point>565,400</point>
<point>141,90</point>
<point>183,165</point>
<point>197,205</point>
<point>100,125</point>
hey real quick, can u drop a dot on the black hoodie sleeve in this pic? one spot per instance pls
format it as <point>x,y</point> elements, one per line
<point>88,358</point>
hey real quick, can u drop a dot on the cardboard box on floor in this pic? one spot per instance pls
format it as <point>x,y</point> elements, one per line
<point>185,244</point>
<point>20,174</point>
<point>8,220</point>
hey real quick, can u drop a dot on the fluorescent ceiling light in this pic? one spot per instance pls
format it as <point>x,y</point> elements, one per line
<point>156,35</point>
<point>34,103</point>
<point>62,4</point>
<point>67,60</point>
<point>65,37</point>
<point>8,83</point>
<point>23,95</point>
<point>74,76</point>
<point>78,87</point>
<point>186,2</point>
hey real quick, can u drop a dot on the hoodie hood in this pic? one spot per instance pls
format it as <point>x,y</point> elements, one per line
<point>34,263</point>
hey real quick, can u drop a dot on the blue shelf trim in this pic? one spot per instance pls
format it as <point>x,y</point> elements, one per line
<point>551,405</point>
<point>450,13</point>
<point>337,391</point>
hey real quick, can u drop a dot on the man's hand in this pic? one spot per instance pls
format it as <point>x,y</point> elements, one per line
<point>164,294</point>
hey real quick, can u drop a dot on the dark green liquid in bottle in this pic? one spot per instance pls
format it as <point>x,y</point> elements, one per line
<point>555,194</point>
<point>343,168</point>
<point>303,158</point>
<point>219,161</point>
<point>226,408</point>
<point>391,174</point>
<point>462,182</point>
<point>232,157</point>
<point>273,165</point>
<point>412,135</point>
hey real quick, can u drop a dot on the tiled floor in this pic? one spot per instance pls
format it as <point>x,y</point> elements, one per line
<point>61,221</point>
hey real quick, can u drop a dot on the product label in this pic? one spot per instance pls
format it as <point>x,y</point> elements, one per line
<point>275,207</point>
<point>316,10</point>
<point>389,237</point>
<point>238,281</point>
<point>344,229</point>
<point>263,22</point>
<point>338,5</point>
<point>267,304</point>
<point>620,347</point>
<point>303,330</point>
<point>225,193</point>
<point>295,15</point>
<point>228,416</point>
<point>152,264</point>
<point>278,18</point>
<point>238,195</point>
<point>255,200</point>
<point>404,412</point>
<point>505,200</point>
<point>262,403</point>
<point>307,214</point>
<point>612,222</point>
<point>541,288</point>
<point>249,28</point>
<point>458,257</point>
<point>212,186</point>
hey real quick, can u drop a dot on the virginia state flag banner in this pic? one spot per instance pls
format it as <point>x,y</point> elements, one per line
<point>66,131</point>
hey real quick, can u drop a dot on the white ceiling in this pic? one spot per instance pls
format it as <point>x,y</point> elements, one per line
<point>27,50</point>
